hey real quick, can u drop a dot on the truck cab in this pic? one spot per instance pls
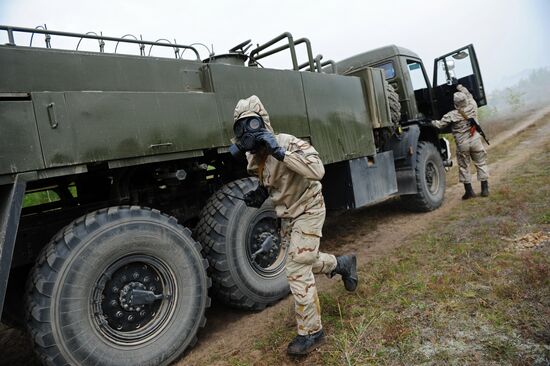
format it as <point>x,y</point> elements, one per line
<point>421,99</point>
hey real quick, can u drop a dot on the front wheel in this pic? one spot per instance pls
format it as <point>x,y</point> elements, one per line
<point>119,286</point>
<point>430,180</point>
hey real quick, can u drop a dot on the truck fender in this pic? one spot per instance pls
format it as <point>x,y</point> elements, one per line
<point>431,134</point>
<point>404,147</point>
<point>11,202</point>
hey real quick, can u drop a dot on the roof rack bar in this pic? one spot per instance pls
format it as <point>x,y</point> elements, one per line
<point>101,43</point>
<point>255,54</point>
<point>319,65</point>
<point>309,65</point>
<point>11,40</point>
<point>310,61</point>
<point>318,59</point>
<point>331,63</point>
<point>142,43</point>
<point>47,37</point>
<point>290,45</point>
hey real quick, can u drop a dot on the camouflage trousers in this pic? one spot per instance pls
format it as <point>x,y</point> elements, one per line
<point>472,149</point>
<point>302,234</point>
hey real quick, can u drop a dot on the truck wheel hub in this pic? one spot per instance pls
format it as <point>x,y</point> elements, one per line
<point>268,262</point>
<point>125,298</point>
<point>432,178</point>
<point>119,316</point>
<point>268,258</point>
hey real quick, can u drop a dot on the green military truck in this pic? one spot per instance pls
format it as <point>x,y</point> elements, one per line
<point>119,200</point>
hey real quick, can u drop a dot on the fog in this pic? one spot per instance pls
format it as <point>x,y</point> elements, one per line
<point>510,36</point>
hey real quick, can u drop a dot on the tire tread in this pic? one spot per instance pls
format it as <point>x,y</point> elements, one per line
<point>211,231</point>
<point>40,283</point>
<point>419,202</point>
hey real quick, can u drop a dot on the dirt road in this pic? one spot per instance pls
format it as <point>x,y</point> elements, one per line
<point>370,232</point>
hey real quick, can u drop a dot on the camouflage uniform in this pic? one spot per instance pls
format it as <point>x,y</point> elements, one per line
<point>294,188</point>
<point>468,145</point>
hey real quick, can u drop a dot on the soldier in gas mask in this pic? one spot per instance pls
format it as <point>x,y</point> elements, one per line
<point>468,141</point>
<point>289,171</point>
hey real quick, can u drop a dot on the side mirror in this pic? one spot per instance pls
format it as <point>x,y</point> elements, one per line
<point>450,66</point>
<point>460,55</point>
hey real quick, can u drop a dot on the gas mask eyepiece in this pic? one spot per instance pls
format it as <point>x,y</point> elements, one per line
<point>245,130</point>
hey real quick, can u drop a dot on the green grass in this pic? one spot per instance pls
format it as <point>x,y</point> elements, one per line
<point>457,294</point>
<point>38,198</point>
<point>42,197</point>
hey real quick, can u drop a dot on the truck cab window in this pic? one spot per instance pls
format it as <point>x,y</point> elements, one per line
<point>389,71</point>
<point>441,74</point>
<point>459,66</point>
<point>417,76</point>
<point>420,87</point>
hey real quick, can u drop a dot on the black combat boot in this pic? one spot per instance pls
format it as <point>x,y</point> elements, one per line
<point>484,188</point>
<point>302,345</point>
<point>346,266</point>
<point>469,191</point>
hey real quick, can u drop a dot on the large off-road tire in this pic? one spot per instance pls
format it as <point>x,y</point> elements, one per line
<point>430,180</point>
<point>79,291</point>
<point>395,106</point>
<point>230,232</point>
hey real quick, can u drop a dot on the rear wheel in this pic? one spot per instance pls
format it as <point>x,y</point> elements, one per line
<point>119,286</point>
<point>232,233</point>
<point>430,180</point>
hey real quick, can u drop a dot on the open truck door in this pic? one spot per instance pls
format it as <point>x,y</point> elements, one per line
<point>460,67</point>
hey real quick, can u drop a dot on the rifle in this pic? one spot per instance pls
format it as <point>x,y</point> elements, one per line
<point>474,126</point>
<point>478,128</point>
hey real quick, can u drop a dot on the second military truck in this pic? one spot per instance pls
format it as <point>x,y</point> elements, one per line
<point>116,186</point>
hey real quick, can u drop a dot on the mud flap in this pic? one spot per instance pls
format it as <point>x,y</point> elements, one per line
<point>11,202</point>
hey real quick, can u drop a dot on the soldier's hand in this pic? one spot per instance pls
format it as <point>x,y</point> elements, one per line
<point>270,142</point>
<point>257,197</point>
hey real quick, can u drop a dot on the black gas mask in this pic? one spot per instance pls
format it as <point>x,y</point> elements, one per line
<point>246,130</point>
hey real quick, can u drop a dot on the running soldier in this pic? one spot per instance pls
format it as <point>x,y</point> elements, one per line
<point>289,171</point>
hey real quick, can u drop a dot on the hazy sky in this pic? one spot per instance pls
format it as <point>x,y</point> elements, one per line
<point>510,36</point>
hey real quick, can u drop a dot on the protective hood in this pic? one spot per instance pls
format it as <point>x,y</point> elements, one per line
<point>252,106</point>
<point>459,99</point>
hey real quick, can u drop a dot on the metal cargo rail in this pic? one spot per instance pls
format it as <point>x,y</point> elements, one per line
<point>100,38</point>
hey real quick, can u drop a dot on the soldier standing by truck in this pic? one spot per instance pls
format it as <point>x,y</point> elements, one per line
<point>289,171</point>
<point>468,141</point>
